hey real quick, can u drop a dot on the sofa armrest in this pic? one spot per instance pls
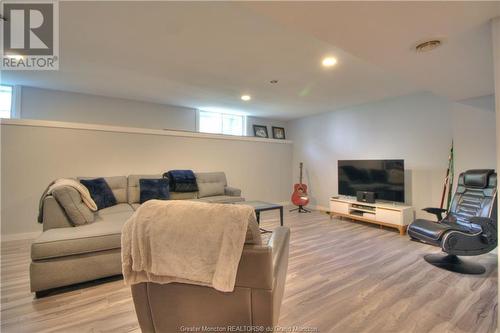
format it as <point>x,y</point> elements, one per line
<point>280,242</point>
<point>232,191</point>
<point>53,215</point>
<point>255,267</point>
<point>261,265</point>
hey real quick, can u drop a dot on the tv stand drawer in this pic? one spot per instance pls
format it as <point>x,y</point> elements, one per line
<point>389,216</point>
<point>339,207</point>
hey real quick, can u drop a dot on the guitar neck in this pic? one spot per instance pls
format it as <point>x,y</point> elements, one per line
<point>300,173</point>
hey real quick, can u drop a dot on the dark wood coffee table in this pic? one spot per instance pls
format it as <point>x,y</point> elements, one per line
<point>262,206</point>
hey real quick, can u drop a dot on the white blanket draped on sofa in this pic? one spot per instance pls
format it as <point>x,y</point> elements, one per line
<point>187,242</point>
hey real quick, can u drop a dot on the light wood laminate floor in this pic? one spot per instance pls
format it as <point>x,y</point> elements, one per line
<point>343,277</point>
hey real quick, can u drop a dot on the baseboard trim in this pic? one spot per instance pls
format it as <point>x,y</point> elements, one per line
<point>20,236</point>
<point>321,208</point>
<point>310,207</point>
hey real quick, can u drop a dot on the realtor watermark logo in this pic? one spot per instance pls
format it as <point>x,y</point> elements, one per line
<point>30,35</point>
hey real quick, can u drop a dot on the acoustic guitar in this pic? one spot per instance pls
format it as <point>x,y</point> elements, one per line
<point>299,196</point>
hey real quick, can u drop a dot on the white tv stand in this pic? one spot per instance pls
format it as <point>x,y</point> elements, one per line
<point>381,213</point>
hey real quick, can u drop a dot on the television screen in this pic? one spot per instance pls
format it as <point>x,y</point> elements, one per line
<point>384,177</point>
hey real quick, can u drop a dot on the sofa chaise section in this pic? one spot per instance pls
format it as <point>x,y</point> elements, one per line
<point>68,255</point>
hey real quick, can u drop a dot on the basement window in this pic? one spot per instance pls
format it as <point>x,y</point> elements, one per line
<point>5,101</point>
<point>221,123</point>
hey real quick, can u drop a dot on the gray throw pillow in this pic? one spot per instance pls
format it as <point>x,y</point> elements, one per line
<point>72,203</point>
<point>210,189</point>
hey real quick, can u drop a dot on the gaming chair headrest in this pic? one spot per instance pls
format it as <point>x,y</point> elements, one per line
<point>479,178</point>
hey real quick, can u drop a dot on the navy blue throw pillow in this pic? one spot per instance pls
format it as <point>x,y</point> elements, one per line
<point>154,189</point>
<point>100,192</point>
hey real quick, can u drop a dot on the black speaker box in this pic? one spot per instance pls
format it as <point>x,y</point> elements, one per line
<point>363,196</point>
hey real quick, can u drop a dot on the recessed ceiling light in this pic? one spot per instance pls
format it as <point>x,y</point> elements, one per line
<point>246,97</point>
<point>428,45</point>
<point>329,61</point>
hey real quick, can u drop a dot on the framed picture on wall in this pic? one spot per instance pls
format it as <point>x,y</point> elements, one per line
<point>260,131</point>
<point>278,133</point>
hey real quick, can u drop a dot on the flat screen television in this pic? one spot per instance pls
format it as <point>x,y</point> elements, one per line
<point>384,177</point>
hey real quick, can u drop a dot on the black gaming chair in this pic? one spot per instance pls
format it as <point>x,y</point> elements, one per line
<point>468,229</point>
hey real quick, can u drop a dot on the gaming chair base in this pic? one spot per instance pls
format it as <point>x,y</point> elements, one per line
<point>451,262</point>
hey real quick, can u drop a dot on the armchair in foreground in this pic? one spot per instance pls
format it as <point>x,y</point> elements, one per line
<point>468,229</point>
<point>255,301</point>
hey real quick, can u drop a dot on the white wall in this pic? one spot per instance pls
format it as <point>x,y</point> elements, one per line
<point>417,128</point>
<point>474,135</point>
<point>486,103</point>
<point>31,157</point>
<point>44,104</point>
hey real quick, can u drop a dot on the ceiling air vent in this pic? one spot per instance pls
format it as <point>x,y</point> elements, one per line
<point>428,45</point>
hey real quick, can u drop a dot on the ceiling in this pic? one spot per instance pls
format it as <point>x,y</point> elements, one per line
<point>207,54</point>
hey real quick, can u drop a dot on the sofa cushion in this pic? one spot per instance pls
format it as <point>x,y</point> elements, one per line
<point>117,184</point>
<point>133,186</point>
<point>103,234</point>
<point>153,189</point>
<point>210,189</point>
<point>211,177</point>
<point>74,207</point>
<point>117,209</point>
<point>54,215</point>
<point>100,192</point>
<point>210,183</point>
<point>183,195</point>
<point>221,199</point>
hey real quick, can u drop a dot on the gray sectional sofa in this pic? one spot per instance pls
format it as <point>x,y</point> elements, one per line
<point>65,254</point>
